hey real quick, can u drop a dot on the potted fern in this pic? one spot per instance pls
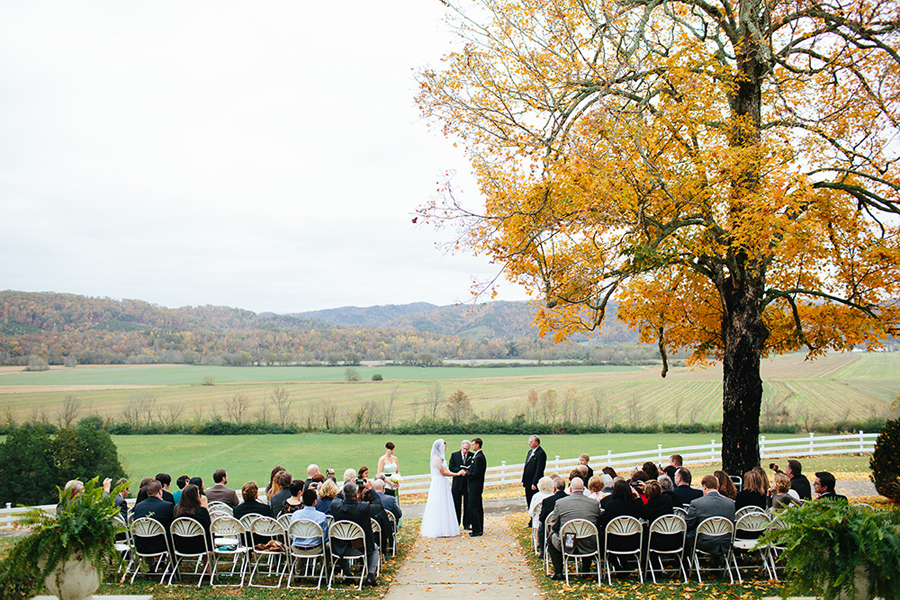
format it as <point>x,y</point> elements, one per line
<point>69,551</point>
<point>840,551</point>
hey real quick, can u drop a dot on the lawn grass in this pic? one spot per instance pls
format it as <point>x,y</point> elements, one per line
<point>670,587</point>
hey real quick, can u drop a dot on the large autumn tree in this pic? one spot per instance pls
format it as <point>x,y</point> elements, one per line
<point>725,170</point>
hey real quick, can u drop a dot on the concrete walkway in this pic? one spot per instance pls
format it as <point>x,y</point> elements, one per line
<point>491,566</point>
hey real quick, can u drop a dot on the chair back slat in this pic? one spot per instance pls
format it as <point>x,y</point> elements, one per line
<point>716,526</point>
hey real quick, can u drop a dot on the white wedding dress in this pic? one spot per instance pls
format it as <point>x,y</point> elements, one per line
<point>439,519</point>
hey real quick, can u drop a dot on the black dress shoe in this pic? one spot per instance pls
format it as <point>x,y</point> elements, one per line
<point>370,581</point>
<point>473,534</point>
<point>558,577</point>
<point>349,581</point>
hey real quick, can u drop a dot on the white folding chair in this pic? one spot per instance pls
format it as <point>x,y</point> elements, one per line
<point>747,530</point>
<point>680,511</point>
<point>228,542</point>
<point>285,520</point>
<point>123,544</point>
<point>185,533</point>
<point>266,528</point>
<point>392,538</point>
<point>747,510</point>
<point>624,536</point>
<point>219,508</point>
<point>548,567</point>
<point>348,534</point>
<point>376,538</point>
<point>581,529</point>
<point>309,557</point>
<point>666,537</point>
<point>773,551</point>
<point>737,481</point>
<point>719,527</point>
<point>144,530</point>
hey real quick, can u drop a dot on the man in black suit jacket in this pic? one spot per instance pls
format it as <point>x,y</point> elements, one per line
<point>155,507</point>
<point>535,461</point>
<point>683,488</point>
<point>361,512</point>
<point>460,487</point>
<point>548,505</point>
<point>475,479</point>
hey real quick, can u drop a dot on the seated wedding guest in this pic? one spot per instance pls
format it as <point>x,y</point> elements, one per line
<point>583,460</point>
<point>799,482</point>
<point>158,509</point>
<point>544,490</point>
<point>180,482</point>
<point>726,485</point>
<point>762,473</point>
<point>389,502</point>
<point>121,504</point>
<point>69,494</point>
<point>670,471</point>
<point>595,485</point>
<point>668,488</point>
<point>220,492</point>
<point>823,485</point>
<point>606,490</point>
<point>710,504</point>
<point>315,481</point>
<point>294,502</point>
<point>327,491</point>
<point>782,495</point>
<point>573,507</point>
<point>676,461</point>
<point>683,488</point>
<point>349,475</point>
<point>650,469</point>
<point>329,474</point>
<point>309,513</point>
<point>658,504</point>
<point>191,505</point>
<point>142,489</point>
<point>363,473</point>
<point>624,501</point>
<point>752,493</point>
<point>165,480</point>
<point>638,479</point>
<point>273,482</point>
<point>311,471</point>
<point>251,504</point>
<point>198,482</point>
<point>548,504</point>
<point>381,518</point>
<point>575,474</point>
<point>360,512</point>
<point>609,471</point>
<point>283,479</point>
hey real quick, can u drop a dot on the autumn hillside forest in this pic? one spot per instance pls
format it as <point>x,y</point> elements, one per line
<point>39,329</point>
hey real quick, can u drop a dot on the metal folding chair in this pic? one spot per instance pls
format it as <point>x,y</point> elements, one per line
<point>714,527</point>
<point>747,530</point>
<point>309,557</point>
<point>266,528</point>
<point>666,537</point>
<point>145,529</point>
<point>228,542</point>
<point>185,531</point>
<point>582,530</point>
<point>627,534</point>
<point>350,534</point>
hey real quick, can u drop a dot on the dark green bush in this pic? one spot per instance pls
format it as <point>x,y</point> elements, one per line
<point>885,461</point>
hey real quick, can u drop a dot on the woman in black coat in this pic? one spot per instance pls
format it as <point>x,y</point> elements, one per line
<point>658,504</point>
<point>190,506</point>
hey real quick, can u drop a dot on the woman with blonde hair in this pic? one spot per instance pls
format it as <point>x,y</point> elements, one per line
<point>781,493</point>
<point>327,491</point>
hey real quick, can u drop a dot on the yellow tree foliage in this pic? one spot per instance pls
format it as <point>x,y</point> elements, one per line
<point>725,170</point>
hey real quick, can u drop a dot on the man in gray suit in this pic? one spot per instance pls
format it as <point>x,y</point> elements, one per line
<point>574,506</point>
<point>710,504</point>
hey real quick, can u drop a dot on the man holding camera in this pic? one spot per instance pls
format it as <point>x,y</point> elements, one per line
<point>360,504</point>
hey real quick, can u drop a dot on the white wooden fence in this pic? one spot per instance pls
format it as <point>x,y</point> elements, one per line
<point>511,475</point>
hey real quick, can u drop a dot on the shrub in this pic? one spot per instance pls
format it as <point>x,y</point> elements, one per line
<point>377,377</point>
<point>885,461</point>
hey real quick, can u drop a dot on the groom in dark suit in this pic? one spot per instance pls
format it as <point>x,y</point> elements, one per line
<point>535,462</point>
<point>460,488</point>
<point>475,480</point>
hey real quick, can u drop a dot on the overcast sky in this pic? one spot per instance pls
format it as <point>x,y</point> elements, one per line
<point>263,155</point>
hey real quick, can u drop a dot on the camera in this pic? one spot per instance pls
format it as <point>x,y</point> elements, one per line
<point>360,482</point>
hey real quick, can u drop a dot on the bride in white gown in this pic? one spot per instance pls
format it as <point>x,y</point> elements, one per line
<point>439,519</point>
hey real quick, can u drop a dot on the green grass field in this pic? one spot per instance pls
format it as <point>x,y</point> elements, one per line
<point>252,457</point>
<point>840,386</point>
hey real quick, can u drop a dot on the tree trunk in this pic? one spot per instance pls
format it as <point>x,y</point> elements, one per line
<point>744,334</point>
